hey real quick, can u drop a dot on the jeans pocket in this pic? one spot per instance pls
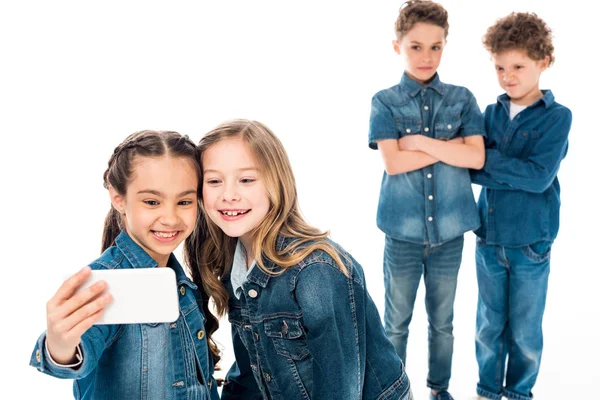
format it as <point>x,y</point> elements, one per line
<point>538,251</point>
<point>479,242</point>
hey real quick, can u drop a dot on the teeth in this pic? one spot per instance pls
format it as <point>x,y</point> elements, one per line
<point>233,213</point>
<point>165,234</point>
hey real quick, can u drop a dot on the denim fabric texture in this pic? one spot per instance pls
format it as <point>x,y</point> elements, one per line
<point>165,361</point>
<point>433,204</point>
<point>513,282</point>
<point>519,203</point>
<point>310,333</point>
<point>404,264</point>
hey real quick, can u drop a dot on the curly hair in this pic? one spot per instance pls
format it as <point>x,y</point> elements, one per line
<point>521,31</point>
<point>414,11</point>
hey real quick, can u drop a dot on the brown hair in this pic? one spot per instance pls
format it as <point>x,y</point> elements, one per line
<point>215,255</point>
<point>415,11</point>
<point>521,31</point>
<point>121,166</point>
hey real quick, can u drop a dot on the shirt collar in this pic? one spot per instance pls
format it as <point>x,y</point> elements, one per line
<point>547,99</point>
<point>413,87</point>
<point>239,274</point>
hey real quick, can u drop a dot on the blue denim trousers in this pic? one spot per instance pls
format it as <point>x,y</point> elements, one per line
<point>403,265</point>
<point>513,282</point>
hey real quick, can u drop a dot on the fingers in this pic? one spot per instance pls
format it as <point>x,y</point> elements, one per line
<point>85,313</point>
<point>69,286</point>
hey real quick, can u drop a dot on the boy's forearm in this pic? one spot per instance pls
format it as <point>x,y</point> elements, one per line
<point>464,155</point>
<point>406,161</point>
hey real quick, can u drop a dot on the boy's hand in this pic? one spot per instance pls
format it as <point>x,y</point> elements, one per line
<point>69,315</point>
<point>410,142</point>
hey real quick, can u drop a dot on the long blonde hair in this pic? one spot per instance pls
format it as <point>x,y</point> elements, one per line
<point>283,218</point>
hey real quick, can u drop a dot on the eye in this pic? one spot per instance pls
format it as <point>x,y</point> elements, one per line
<point>518,67</point>
<point>151,202</point>
<point>499,69</point>
<point>415,47</point>
<point>436,48</point>
<point>247,180</point>
<point>213,181</point>
<point>185,202</point>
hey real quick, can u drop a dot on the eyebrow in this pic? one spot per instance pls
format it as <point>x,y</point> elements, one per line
<point>239,169</point>
<point>157,193</point>
<point>417,42</point>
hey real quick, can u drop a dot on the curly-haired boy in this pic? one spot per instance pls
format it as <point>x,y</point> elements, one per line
<point>519,205</point>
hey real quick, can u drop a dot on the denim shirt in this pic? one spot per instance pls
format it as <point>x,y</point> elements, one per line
<point>310,333</point>
<point>434,204</point>
<point>141,361</point>
<point>519,202</point>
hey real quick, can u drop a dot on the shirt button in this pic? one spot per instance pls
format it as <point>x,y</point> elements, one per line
<point>252,293</point>
<point>407,130</point>
<point>428,176</point>
<point>449,126</point>
<point>38,358</point>
<point>430,219</point>
<point>426,108</point>
<point>267,377</point>
<point>430,197</point>
<point>201,334</point>
<point>426,129</point>
<point>182,290</point>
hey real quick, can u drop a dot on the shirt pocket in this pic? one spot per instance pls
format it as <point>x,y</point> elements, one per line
<point>523,143</point>
<point>409,125</point>
<point>288,337</point>
<point>447,128</point>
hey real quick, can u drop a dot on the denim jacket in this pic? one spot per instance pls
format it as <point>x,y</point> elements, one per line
<point>310,333</point>
<point>434,204</point>
<point>519,203</point>
<point>141,361</point>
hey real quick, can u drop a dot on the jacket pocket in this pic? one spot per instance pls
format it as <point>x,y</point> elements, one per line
<point>447,128</point>
<point>288,337</point>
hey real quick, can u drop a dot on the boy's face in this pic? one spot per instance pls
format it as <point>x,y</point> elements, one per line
<point>421,48</point>
<point>519,75</point>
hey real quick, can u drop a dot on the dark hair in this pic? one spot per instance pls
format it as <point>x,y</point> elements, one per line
<point>414,11</point>
<point>521,31</point>
<point>149,143</point>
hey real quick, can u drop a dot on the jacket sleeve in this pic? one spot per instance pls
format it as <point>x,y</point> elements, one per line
<point>326,298</point>
<point>239,382</point>
<point>537,172</point>
<point>93,343</point>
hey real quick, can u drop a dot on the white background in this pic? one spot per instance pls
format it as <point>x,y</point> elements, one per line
<point>77,77</point>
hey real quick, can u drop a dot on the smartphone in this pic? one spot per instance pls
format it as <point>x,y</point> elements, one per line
<point>139,295</point>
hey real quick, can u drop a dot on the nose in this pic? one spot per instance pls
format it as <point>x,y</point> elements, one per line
<point>230,192</point>
<point>169,217</point>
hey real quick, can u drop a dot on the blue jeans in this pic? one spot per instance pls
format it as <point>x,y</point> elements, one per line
<point>403,265</point>
<point>513,282</point>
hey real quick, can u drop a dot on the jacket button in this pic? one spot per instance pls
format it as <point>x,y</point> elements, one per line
<point>201,334</point>
<point>430,197</point>
<point>267,377</point>
<point>182,290</point>
<point>426,129</point>
<point>430,219</point>
<point>407,130</point>
<point>449,126</point>
<point>38,358</point>
<point>252,293</point>
<point>428,176</point>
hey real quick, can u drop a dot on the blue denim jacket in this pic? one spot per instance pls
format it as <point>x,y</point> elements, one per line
<point>434,204</point>
<point>520,200</point>
<point>141,361</point>
<point>310,333</point>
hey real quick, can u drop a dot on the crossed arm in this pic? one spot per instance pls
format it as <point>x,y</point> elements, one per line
<point>414,152</point>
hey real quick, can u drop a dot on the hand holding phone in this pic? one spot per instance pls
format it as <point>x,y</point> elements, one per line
<point>71,312</point>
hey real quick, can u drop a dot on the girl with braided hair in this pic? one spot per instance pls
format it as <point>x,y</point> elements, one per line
<point>153,182</point>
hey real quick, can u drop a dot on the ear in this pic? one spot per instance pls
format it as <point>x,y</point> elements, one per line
<point>117,200</point>
<point>544,63</point>
<point>396,45</point>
